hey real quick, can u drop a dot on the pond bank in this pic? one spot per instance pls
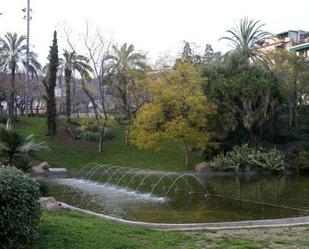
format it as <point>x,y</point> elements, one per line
<point>201,226</point>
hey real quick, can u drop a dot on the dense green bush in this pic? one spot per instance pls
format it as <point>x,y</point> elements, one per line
<point>43,186</point>
<point>91,136</point>
<point>20,209</point>
<point>108,134</point>
<point>243,157</point>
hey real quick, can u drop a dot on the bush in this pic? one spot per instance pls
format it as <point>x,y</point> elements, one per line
<point>20,209</point>
<point>95,136</point>
<point>43,186</point>
<point>23,163</point>
<point>108,134</point>
<point>243,157</point>
<point>91,136</point>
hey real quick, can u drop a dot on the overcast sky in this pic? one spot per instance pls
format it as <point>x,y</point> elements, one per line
<point>154,26</point>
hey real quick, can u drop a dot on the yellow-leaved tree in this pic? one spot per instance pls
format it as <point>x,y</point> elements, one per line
<point>178,110</point>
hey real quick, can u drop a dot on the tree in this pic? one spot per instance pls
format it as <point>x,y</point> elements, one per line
<point>13,60</point>
<point>98,51</point>
<point>125,62</point>
<point>70,63</point>
<point>247,36</point>
<point>179,110</point>
<point>292,71</point>
<point>246,93</point>
<point>187,53</point>
<point>49,83</point>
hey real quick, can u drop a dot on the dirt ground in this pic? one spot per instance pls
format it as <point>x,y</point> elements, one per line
<point>282,238</point>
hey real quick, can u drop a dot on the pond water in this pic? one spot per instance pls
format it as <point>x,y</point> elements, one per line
<point>228,198</point>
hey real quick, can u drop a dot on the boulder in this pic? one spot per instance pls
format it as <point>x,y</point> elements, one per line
<point>40,169</point>
<point>201,167</point>
<point>50,204</point>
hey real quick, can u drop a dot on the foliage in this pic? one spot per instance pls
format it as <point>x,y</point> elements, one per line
<point>303,161</point>
<point>20,209</point>
<point>50,84</point>
<point>179,110</point>
<point>247,95</point>
<point>76,154</point>
<point>23,163</point>
<point>89,129</point>
<point>243,157</point>
<point>292,70</point>
<point>128,67</point>
<point>246,37</point>
<point>13,60</point>
<point>70,63</point>
<point>14,144</point>
<point>91,136</point>
<point>44,187</point>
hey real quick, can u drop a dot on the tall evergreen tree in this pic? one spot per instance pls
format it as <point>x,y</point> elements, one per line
<point>50,84</point>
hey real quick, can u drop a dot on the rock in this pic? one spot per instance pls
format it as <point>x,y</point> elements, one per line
<point>201,167</point>
<point>50,204</point>
<point>40,169</point>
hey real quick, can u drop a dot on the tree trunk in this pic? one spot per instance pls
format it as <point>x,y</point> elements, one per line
<point>68,74</point>
<point>96,114</point>
<point>68,101</point>
<point>186,150</point>
<point>12,99</point>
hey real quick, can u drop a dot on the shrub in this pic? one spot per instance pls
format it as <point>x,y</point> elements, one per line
<point>14,144</point>
<point>108,134</point>
<point>95,136</point>
<point>243,156</point>
<point>77,132</point>
<point>20,209</point>
<point>43,186</point>
<point>91,136</point>
<point>23,163</point>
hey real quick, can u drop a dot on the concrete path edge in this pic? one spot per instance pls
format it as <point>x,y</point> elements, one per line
<point>286,222</point>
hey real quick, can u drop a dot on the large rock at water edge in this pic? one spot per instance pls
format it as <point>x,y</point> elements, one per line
<point>201,167</point>
<point>50,204</point>
<point>41,168</point>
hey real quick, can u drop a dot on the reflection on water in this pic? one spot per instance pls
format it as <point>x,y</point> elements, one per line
<point>290,192</point>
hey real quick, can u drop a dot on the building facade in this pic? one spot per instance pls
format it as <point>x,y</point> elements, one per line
<point>292,40</point>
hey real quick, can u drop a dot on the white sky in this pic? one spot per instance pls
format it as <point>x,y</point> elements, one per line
<point>154,26</point>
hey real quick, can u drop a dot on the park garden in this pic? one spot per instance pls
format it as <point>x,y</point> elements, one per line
<point>205,138</point>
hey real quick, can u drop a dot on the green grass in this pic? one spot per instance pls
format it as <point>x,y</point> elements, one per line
<point>70,229</point>
<point>115,152</point>
<point>79,231</point>
<point>75,230</point>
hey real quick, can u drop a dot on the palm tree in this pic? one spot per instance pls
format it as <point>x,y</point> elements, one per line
<point>70,63</point>
<point>247,37</point>
<point>14,144</point>
<point>124,61</point>
<point>13,60</point>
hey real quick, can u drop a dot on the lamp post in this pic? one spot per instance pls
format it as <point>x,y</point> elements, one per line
<point>28,18</point>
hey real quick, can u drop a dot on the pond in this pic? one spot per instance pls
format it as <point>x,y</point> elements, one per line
<point>225,198</point>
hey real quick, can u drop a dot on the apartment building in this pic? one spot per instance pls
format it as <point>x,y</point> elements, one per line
<point>292,40</point>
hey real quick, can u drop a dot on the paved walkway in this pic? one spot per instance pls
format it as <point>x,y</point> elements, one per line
<point>203,226</point>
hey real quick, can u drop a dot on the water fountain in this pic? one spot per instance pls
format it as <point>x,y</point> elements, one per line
<point>154,182</point>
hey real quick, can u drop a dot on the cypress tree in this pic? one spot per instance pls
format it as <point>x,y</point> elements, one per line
<point>50,85</point>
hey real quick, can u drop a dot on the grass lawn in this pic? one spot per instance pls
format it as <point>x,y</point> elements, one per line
<point>79,231</point>
<point>74,154</point>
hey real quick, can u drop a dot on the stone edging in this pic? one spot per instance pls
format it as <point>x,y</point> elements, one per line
<point>202,226</point>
